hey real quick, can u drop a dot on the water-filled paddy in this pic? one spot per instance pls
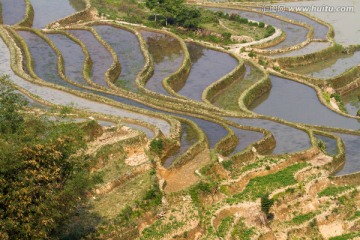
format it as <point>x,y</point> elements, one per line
<point>187,139</point>
<point>330,144</point>
<point>352,154</point>
<point>331,67</point>
<point>214,132</point>
<point>346,24</point>
<point>310,48</point>
<point>208,66</point>
<point>100,56</point>
<point>167,55</point>
<point>73,57</point>
<point>288,139</point>
<point>246,138</point>
<point>44,57</point>
<point>127,48</point>
<point>320,30</point>
<point>63,98</point>
<point>352,102</point>
<point>150,134</point>
<point>49,11</point>
<point>297,102</point>
<point>13,11</point>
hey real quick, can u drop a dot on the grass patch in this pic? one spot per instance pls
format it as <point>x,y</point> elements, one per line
<point>225,226</point>
<point>346,236</point>
<point>260,185</point>
<point>228,98</point>
<point>241,232</point>
<point>129,10</point>
<point>355,216</point>
<point>258,164</point>
<point>333,191</point>
<point>241,29</point>
<point>110,204</point>
<point>159,230</point>
<point>303,218</point>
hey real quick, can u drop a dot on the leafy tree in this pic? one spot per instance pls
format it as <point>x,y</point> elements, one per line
<point>188,17</point>
<point>40,181</point>
<point>176,12</point>
<point>10,105</point>
<point>151,4</point>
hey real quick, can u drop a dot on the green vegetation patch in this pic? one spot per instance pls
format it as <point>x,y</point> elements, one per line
<point>260,185</point>
<point>228,99</point>
<point>225,226</point>
<point>334,190</point>
<point>159,229</point>
<point>303,218</point>
<point>129,10</point>
<point>346,236</point>
<point>42,180</point>
<point>355,216</point>
<point>241,232</point>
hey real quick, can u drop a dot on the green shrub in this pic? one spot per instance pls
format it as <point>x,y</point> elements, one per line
<point>263,62</point>
<point>227,164</point>
<point>226,35</point>
<point>321,145</point>
<point>244,20</point>
<point>270,30</point>
<point>336,96</point>
<point>346,236</point>
<point>266,204</point>
<point>303,218</point>
<point>333,190</point>
<point>157,146</point>
<point>225,226</point>
<point>252,54</point>
<point>276,68</point>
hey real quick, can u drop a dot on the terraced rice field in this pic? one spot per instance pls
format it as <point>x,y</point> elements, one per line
<point>222,125</point>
